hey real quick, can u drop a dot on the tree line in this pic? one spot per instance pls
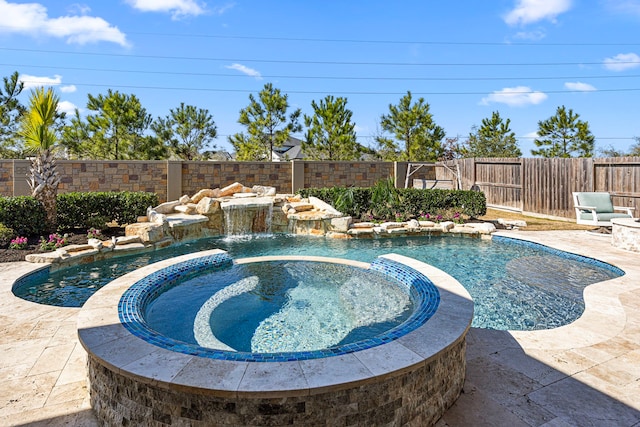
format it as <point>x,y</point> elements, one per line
<point>118,127</point>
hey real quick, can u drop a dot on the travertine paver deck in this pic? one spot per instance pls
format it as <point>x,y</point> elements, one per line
<point>586,373</point>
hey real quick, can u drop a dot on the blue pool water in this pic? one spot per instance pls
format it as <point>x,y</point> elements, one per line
<point>280,306</point>
<point>515,285</point>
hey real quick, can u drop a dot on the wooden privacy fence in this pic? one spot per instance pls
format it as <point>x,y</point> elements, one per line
<point>544,186</point>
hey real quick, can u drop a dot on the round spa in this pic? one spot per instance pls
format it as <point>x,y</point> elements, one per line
<point>202,339</point>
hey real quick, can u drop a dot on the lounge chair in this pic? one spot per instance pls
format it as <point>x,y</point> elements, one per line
<point>596,208</point>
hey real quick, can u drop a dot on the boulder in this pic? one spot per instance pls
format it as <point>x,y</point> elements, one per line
<point>207,206</point>
<point>262,190</point>
<point>145,232</point>
<point>205,192</point>
<point>229,190</point>
<point>166,207</point>
<point>302,206</point>
<point>447,225</point>
<point>341,224</point>
<point>189,208</point>
<point>184,199</point>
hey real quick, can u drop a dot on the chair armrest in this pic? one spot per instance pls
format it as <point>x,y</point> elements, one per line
<point>629,210</point>
<point>585,208</point>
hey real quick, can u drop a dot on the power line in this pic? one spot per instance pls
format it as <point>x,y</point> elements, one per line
<point>361,41</point>
<point>516,92</point>
<point>309,62</point>
<point>237,75</point>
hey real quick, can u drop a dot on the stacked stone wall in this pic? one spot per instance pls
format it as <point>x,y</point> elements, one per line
<point>345,174</point>
<point>416,397</point>
<point>6,178</point>
<point>199,175</point>
<point>96,175</point>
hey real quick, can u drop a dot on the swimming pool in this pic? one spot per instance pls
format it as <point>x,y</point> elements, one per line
<point>515,285</point>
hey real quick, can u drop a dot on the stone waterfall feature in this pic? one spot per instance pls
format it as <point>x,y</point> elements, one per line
<point>247,215</point>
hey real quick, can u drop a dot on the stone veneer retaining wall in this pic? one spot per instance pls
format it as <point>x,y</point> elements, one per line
<point>415,397</point>
<point>172,179</point>
<point>6,177</point>
<point>344,174</point>
<point>199,175</point>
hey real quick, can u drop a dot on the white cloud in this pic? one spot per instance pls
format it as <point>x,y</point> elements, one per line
<point>66,107</point>
<point>36,81</point>
<point>177,8</point>
<point>622,61</point>
<point>626,7</point>
<point>529,11</point>
<point>32,19</point>
<point>245,70</point>
<point>579,86</point>
<point>515,97</point>
<point>68,89</point>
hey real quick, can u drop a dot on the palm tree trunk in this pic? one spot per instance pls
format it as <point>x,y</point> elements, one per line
<point>44,180</point>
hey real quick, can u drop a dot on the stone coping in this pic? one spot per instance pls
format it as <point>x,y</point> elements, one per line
<point>626,222</point>
<point>108,341</point>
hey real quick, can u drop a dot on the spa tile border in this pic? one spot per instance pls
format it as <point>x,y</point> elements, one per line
<point>135,300</point>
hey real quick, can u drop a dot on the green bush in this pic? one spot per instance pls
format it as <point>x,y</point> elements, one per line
<point>6,234</point>
<point>383,201</point>
<point>24,214</point>
<point>96,209</point>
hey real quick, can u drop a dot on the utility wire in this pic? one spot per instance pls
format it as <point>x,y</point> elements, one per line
<point>239,75</point>
<point>308,62</point>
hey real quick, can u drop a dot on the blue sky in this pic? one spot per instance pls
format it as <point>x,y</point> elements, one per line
<point>522,58</point>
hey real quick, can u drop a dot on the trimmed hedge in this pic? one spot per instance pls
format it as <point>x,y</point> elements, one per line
<point>23,214</point>
<point>410,202</point>
<point>95,209</point>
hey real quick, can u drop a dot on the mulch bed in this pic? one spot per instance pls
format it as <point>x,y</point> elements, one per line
<point>77,237</point>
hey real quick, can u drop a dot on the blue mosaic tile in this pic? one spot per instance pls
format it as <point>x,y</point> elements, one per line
<point>134,301</point>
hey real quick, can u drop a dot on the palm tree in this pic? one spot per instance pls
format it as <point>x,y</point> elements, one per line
<point>40,137</point>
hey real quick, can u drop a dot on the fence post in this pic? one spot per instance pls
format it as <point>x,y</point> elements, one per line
<point>20,183</point>
<point>297,175</point>
<point>174,179</point>
<point>399,173</point>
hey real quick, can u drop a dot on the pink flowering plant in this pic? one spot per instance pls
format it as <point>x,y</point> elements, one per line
<point>19,243</point>
<point>54,241</point>
<point>94,233</point>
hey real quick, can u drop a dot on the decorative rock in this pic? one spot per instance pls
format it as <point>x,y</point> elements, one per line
<point>146,232</point>
<point>205,192</point>
<point>390,225</point>
<point>363,225</point>
<point>447,225</point>
<point>286,207</point>
<point>510,223</point>
<point>165,208</point>
<point>188,209</point>
<point>96,243</point>
<point>142,219</point>
<point>184,199</point>
<point>427,223</point>
<point>294,199</point>
<point>323,206</point>
<point>412,223</point>
<point>243,195</point>
<point>291,211</point>
<point>127,240</point>
<point>482,227</point>
<point>262,190</point>
<point>302,206</point>
<point>207,206</point>
<point>229,190</point>
<point>341,224</point>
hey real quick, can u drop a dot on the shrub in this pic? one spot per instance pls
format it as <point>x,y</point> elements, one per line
<point>23,214</point>
<point>96,209</point>
<point>6,234</point>
<point>383,201</point>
